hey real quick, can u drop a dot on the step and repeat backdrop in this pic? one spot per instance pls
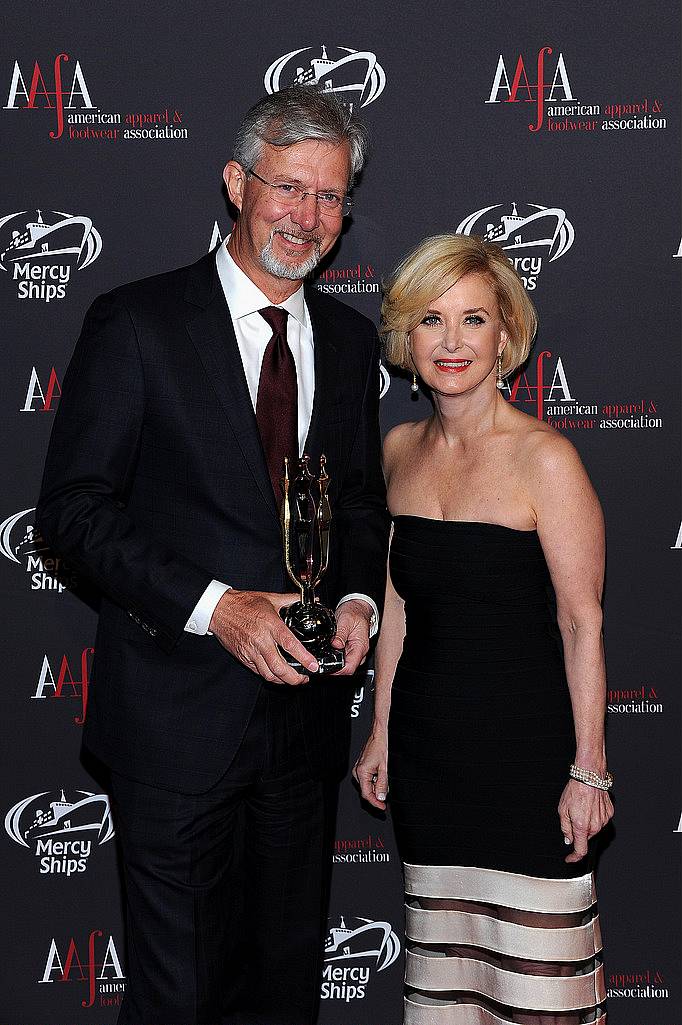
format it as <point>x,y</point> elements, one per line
<point>552,129</point>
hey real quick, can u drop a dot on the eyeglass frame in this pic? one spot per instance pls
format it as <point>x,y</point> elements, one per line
<point>345,206</point>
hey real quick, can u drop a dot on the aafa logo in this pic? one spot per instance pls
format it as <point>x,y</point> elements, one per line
<point>541,232</point>
<point>100,970</point>
<point>46,572</point>
<point>41,257</point>
<point>38,96</point>
<point>678,543</point>
<point>351,954</point>
<point>547,398</point>
<point>521,90</point>
<point>61,832</point>
<point>355,74</point>
<point>43,399</point>
<point>543,386</point>
<point>216,237</point>
<point>67,684</point>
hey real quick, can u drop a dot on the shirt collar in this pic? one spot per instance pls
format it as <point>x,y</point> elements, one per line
<point>243,297</point>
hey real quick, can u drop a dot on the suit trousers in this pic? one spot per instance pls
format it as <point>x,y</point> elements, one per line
<point>225,891</point>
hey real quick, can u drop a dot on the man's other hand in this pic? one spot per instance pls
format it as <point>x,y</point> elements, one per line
<point>248,625</point>
<point>353,619</point>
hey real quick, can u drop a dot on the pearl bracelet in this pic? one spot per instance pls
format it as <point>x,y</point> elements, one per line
<point>592,779</point>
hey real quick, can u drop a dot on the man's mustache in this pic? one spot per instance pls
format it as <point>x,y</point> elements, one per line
<point>297,232</point>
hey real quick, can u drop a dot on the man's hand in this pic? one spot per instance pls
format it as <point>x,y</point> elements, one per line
<point>353,620</point>
<point>248,625</point>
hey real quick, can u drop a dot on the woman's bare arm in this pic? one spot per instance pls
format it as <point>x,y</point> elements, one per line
<point>370,770</point>
<point>571,530</point>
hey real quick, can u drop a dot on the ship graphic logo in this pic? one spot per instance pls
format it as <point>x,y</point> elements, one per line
<point>385,380</point>
<point>369,940</point>
<point>52,814</point>
<point>355,75</point>
<point>22,542</point>
<point>31,543</point>
<point>542,227</point>
<point>68,235</point>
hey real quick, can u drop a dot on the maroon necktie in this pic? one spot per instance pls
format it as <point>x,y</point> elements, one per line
<point>277,402</point>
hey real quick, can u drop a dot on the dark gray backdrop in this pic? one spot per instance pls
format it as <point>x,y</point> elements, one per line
<point>608,297</point>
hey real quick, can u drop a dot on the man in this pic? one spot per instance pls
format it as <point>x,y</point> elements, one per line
<point>162,485</point>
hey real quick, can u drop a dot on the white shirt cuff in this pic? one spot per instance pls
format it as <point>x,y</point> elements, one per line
<point>374,621</point>
<point>200,619</point>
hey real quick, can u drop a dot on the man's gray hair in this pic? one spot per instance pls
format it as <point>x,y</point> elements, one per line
<point>297,114</point>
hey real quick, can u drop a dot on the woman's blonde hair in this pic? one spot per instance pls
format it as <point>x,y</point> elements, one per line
<point>434,266</point>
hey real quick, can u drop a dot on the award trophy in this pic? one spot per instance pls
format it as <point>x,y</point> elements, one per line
<point>306,518</point>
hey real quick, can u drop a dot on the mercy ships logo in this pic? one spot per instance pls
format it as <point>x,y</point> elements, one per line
<point>46,572</point>
<point>355,75</point>
<point>541,233</point>
<point>352,954</point>
<point>41,256</point>
<point>61,832</point>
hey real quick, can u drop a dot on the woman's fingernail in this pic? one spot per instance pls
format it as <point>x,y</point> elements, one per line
<point>381,797</point>
<point>566,840</point>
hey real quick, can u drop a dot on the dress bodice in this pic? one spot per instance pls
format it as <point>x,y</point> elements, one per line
<point>479,590</point>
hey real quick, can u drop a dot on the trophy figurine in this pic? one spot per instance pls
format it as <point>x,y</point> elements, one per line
<point>306,518</point>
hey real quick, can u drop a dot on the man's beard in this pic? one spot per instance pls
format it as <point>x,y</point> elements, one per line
<point>290,271</point>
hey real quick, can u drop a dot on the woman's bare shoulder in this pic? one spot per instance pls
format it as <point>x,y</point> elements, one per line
<point>399,444</point>
<point>549,457</point>
<point>400,440</point>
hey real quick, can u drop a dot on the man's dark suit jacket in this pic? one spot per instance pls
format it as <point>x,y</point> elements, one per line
<point>156,483</point>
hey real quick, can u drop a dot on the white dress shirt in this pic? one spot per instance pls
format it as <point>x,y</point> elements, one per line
<point>253,333</point>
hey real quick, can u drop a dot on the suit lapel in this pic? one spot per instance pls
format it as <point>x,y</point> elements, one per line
<point>210,327</point>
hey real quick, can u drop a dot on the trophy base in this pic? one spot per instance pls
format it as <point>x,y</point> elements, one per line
<point>329,662</point>
<point>314,626</point>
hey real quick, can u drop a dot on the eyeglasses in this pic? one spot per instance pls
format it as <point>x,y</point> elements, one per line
<point>291,195</point>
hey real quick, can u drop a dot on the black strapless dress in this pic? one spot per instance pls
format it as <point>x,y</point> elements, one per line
<point>480,740</point>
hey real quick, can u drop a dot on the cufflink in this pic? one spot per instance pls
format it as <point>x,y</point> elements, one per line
<point>192,626</point>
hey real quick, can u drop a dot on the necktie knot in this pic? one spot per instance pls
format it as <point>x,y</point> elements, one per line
<point>276,318</point>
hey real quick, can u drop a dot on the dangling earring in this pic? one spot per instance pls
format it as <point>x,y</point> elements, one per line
<point>414,387</point>
<point>500,375</point>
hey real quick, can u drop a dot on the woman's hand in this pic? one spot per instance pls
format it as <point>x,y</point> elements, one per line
<point>370,770</point>
<point>583,812</point>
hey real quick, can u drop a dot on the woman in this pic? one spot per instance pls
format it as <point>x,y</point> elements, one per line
<point>493,516</point>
